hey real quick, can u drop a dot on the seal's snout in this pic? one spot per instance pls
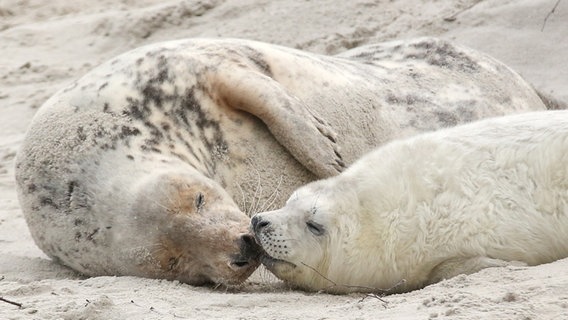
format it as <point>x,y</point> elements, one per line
<point>257,223</point>
<point>249,255</point>
<point>248,245</point>
<point>247,240</point>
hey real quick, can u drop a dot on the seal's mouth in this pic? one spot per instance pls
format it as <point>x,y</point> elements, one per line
<point>267,260</point>
<point>271,263</point>
<point>274,265</point>
<point>249,255</point>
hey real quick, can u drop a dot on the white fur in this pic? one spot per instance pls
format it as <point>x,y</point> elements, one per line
<point>490,193</point>
<point>253,120</point>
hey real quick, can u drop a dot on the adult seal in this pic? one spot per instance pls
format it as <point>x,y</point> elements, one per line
<point>145,165</point>
<point>419,210</point>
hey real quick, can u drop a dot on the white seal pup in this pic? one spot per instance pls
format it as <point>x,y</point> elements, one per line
<point>426,208</point>
<point>139,167</point>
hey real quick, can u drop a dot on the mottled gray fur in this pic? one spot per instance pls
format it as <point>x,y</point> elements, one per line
<point>258,120</point>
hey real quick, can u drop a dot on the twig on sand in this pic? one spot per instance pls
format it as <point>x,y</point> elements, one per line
<point>19,305</point>
<point>548,15</point>
<point>376,293</point>
<point>454,16</point>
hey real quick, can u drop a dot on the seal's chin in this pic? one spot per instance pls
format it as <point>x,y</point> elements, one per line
<point>276,266</point>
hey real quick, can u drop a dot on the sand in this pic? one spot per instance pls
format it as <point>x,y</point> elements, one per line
<point>45,45</point>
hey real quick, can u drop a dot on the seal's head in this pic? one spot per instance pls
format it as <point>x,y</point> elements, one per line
<point>309,243</point>
<point>192,231</point>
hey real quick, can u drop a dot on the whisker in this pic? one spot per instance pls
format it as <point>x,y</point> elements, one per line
<point>257,193</point>
<point>373,292</point>
<point>272,197</point>
<point>244,201</point>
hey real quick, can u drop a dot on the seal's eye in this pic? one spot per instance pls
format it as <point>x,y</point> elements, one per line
<point>199,201</point>
<point>315,228</point>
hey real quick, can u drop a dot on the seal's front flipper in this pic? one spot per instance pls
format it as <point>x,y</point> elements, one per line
<point>466,265</point>
<point>309,138</point>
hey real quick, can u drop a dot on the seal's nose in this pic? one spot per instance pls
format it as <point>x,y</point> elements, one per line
<point>249,253</point>
<point>258,223</point>
<point>247,243</point>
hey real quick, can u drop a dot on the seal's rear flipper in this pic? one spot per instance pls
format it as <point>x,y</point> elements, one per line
<point>309,138</point>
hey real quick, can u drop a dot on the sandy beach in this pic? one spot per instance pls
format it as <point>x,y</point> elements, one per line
<point>45,45</point>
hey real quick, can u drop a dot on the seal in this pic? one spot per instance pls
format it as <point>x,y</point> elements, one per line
<point>149,164</point>
<point>426,208</point>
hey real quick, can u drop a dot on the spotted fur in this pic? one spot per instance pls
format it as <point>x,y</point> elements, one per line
<point>238,122</point>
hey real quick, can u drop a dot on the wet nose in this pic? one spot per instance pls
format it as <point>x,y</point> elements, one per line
<point>247,243</point>
<point>249,253</point>
<point>258,223</point>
